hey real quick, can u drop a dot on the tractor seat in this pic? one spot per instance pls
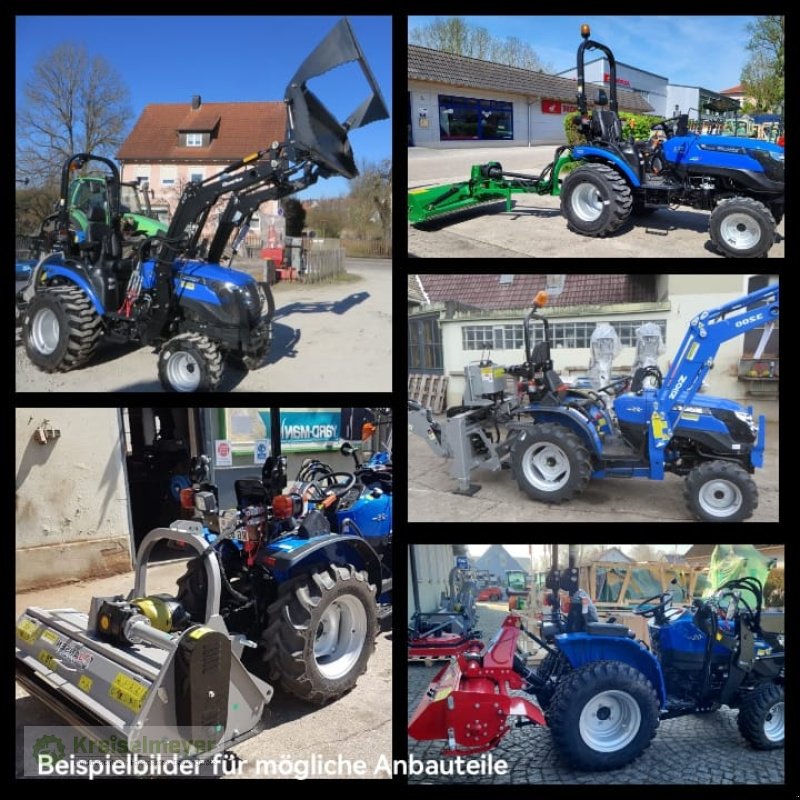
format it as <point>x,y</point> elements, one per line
<point>609,629</point>
<point>605,125</point>
<point>250,492</point>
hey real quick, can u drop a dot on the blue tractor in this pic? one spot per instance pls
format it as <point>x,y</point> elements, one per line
<point>602,691</point>
<point>306,567</point>
<point>558,438</point>
<point>647,432</point>
<point>740,180</point>
<point>171,290</point>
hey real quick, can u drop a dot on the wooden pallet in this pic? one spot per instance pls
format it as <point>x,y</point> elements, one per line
<point>430,390</point>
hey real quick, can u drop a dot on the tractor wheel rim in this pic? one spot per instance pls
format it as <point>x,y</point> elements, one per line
<point>183,372</point>
<point>773,723</point>
<point>740,231</point>
<point>720,498</point>
<point>340,637</point>
<point>45,331</point>
<point>546,467</point>
<point>610,721</point>
<point>587,203</point>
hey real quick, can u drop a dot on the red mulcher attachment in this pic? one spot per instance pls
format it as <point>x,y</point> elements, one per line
<point>468,702</point>
<point>437,648</point>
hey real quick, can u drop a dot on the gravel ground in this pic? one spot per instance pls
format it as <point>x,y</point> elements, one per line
<point>316,328</point>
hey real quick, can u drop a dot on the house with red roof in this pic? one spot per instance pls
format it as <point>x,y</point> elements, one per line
<point>173,144</point>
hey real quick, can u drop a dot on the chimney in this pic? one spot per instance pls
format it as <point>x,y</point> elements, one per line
<point>195,102</point>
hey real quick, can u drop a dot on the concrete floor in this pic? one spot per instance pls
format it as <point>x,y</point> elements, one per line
<point>358,726</point>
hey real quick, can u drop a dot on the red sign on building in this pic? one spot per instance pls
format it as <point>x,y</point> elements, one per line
<point>620,81</point>
<point>557,107</point>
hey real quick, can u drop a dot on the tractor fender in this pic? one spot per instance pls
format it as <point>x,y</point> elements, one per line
<point>588,152</point>
<point>295,555</point>
<point>583,648</point>
<point>569,418</point>
<point>72,273</point>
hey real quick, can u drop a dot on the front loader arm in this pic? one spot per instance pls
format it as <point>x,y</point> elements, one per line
<point>706,333</point>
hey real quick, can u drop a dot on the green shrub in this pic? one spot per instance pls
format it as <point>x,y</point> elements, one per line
<point>641,126</point>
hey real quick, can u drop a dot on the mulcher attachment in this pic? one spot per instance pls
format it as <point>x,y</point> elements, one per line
<point>138,666</point>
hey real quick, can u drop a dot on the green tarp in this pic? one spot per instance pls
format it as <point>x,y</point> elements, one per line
<point>644,583</point>
<point>730,561</point>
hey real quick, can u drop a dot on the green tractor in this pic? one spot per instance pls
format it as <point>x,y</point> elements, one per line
<point>88,199</point>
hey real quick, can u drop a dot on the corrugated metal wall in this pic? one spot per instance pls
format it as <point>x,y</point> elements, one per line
<point>434,562</point>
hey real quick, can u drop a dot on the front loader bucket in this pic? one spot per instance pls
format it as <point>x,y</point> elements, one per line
<point>312,128</point>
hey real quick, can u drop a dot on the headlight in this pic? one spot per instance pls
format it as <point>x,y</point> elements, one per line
<point>747,418</point>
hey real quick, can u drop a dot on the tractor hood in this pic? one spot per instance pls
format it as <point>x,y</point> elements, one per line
<point>740,142</point>
<point>313,131</point>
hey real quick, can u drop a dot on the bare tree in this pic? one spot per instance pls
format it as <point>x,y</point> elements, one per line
<point>456,35</point>
<point>74,103</point>
<point>644,552</point>
<point>371,199</point>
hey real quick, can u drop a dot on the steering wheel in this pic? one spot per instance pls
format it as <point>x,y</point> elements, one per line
<point>322,487</point>
<point>665,126</point>
<point>644,609</point>
<point>617,381</point>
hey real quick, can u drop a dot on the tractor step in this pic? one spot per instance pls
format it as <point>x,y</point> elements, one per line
<point>615,448</point>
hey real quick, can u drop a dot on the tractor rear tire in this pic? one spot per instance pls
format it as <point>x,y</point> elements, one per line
<point>61,329</point>
<point>718,491</point>
<point>603,715</point>
<point>550,463</point>
<point>761,717</point>
<point>190,362</point>
<point>595,199</point>
<point>321,633</point>
<point>741,227</point>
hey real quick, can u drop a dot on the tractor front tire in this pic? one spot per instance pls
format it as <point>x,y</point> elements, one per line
<point>603,715</point>
<point>719,491</point>
<point>741,227</point>
<point>190,362</point>
<point>321,633</point>
<point>595,199</point>
<point>61,329</point>
<point>761,717</point>
<point>551,464</point>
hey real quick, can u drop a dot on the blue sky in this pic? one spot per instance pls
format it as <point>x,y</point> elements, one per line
<point>693,51</point>
<point>222,58</point>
